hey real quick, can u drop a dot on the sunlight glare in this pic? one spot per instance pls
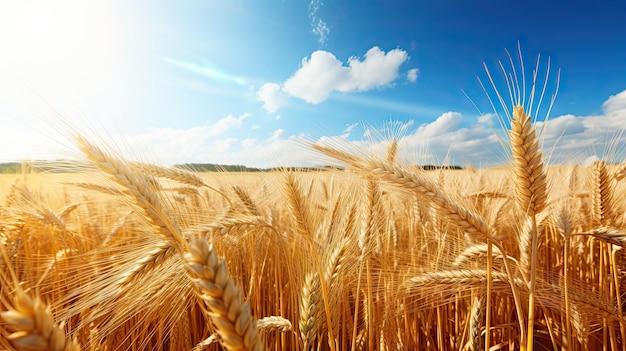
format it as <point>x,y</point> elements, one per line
<point>47,41</point>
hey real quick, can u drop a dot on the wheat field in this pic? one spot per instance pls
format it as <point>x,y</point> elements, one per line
<point>109,253</point>
<point>122,255</point>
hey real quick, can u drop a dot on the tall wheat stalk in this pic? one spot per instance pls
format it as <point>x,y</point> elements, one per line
<point>236,326</point>
<point>531,194</point>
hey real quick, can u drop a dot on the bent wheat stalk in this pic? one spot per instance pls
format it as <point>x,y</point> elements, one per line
<point>466,220</point>
<point>33,327</point>
<point>235,325</point>
<point>274,323</point>
<point>139,187</point>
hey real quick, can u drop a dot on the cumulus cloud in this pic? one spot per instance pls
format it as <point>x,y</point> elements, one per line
<point>601,135</point>
<point>486,118</point>
<point>445,139</point>
<point>248,143</point>
<point>450,137</point>
<point>317,77</point>
<point>615,104</point>
<point>566,139</point>
<point>276,134</point>
<point>227,123</point>
<point>192,145</point>
<point>323,73</point>
<point>411,75</point>
<point>271,96</point>
<point>171,143</point>
<point>224,145</point>
<point>445,123</point>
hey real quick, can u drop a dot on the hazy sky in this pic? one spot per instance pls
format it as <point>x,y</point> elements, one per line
<point>241,82</point>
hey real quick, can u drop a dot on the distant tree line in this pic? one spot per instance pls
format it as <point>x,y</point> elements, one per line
<point>51,167</point>
<point>11,167</point>
<point>211,167</point>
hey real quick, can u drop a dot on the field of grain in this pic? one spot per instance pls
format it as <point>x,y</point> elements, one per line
<point>122,255</point>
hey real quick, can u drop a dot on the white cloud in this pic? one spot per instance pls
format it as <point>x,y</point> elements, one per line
<point>318,26</point>
<point>486,118</point>
<point>466,139</point>
<point>411,75</point>
<point>323,73</point>
<point>346,132</point>
<point>271,96</point>
<point>321,29</point>
<point>317,77</point>
<point>248,143</point>
<point>224,145</point>
<point>566,138</point>
<point>174,146</point>
<point>350,127</point>
<point>431,143</point>
<point>445,123</point>
<point>615,104</point>
<point>277,133</point>
<point>576,137</point>
<point>227,123</point>
<point>376,70</point>
<point>177,143</point>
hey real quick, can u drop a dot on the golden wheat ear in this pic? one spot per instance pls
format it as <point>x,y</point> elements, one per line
<point>530,178</point>
<point>32,326</point>
<point>235,325</point>
<point>601,193</point>
<point>274,323</point>
<point>531,195</point>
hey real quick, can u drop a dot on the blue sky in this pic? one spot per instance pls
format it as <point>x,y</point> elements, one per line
<point>237,82</point>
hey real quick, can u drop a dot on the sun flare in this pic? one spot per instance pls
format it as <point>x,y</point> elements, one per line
<point>43,41</point>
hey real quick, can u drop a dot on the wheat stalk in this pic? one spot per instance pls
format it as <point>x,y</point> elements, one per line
<point>608,234</point>
<point>32,326</point>
<point>620,172</point>
<point>232,225</point>
<point>458,215</point>
<point>530,178</point>
<point>172,173</point>
<point>601,193</point>
<point>476,321</point>
<point>137,184</point>
<point>213,338</point>
<point>392,151</point>
<point>236,326</point>
<point>152,259</point>
<point>460,277</point>
<point>473,253</point>
<point>247,200</point>
<point>96,187</point>
<point>297,205</point>
<point>309,302</point>
<point>177,174</point>
<point>274,323</point>
<point>530,188</point>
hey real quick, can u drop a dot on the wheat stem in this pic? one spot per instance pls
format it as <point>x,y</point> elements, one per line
<point>235,324</point>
